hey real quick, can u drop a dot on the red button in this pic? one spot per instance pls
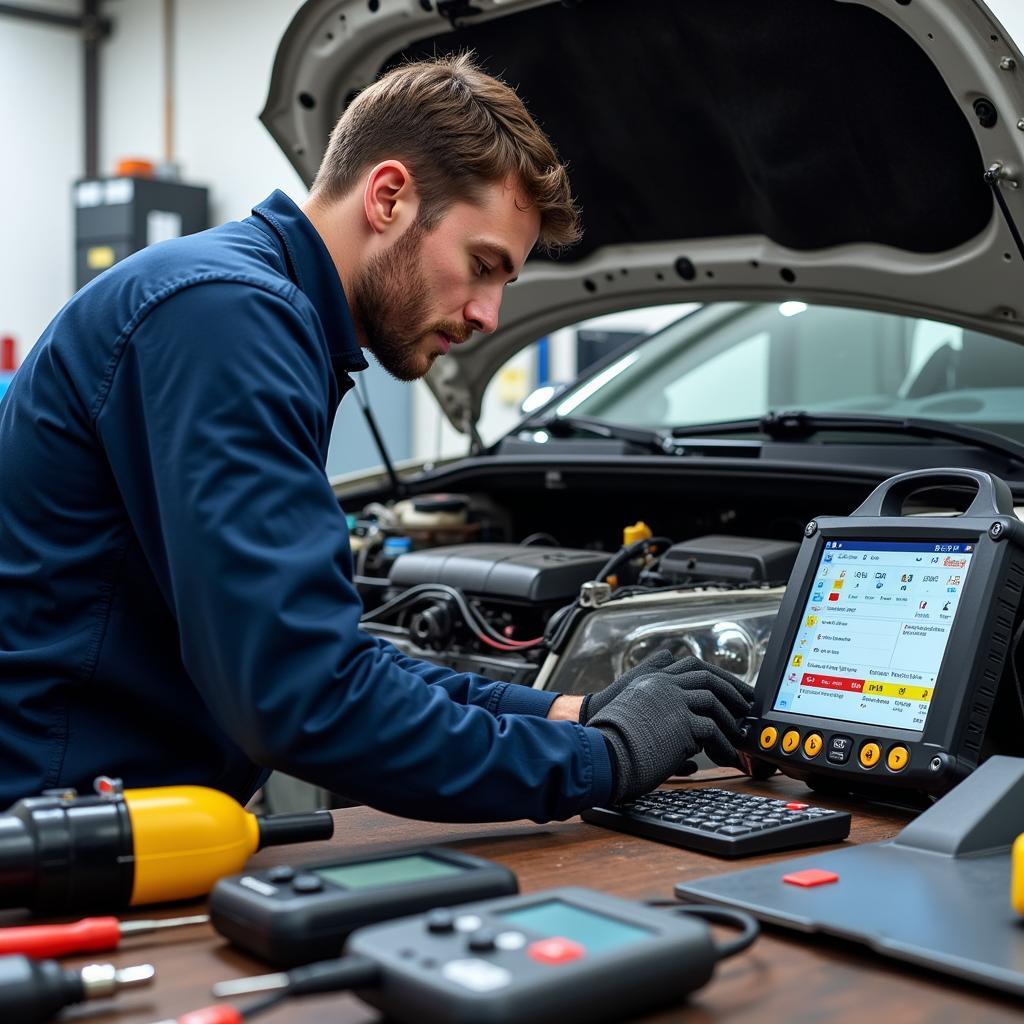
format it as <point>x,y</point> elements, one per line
<point>555,951</point>
<point>797,807</point>
<point>812,876</point>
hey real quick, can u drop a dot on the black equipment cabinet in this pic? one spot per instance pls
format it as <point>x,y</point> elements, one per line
<point>115,217</point>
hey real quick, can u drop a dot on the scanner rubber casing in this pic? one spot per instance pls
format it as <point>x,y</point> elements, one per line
<point>960,730</point>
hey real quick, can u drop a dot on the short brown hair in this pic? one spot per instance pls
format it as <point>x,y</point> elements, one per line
<point>458,129</point>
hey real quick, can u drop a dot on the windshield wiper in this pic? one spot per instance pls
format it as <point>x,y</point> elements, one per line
<point>657,441</point>
<point>799,425</point>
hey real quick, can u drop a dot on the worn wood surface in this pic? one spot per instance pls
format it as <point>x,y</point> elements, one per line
<point>783,977</point>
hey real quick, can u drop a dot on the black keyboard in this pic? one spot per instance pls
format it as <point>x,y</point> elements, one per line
<point>723,822</point>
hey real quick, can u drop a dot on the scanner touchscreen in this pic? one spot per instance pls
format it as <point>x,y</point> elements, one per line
<point>874,632</point>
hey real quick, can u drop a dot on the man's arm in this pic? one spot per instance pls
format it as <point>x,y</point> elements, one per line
<point>224,484</point>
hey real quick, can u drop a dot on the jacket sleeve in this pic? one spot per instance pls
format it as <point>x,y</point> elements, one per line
<point>470,688</point>
<point>229,389</point>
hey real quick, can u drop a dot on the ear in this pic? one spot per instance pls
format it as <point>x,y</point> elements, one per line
<point>390,201</point>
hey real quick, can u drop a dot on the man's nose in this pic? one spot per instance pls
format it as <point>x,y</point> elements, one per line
<point>481,313</point>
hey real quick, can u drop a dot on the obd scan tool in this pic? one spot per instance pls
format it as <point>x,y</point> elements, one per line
<point>888,672</point>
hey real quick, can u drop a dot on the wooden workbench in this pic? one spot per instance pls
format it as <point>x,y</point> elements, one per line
<point>784,977</point>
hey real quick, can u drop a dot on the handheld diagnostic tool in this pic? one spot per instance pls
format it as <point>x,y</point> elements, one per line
<point>561,956</point>
<point>295,915</point>
<point>887,660</point>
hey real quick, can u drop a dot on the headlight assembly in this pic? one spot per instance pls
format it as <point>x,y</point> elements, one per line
<point>726,628</point>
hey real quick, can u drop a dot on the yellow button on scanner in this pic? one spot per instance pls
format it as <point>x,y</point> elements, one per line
<point>897,759</point>
<point>769,734</point>
<point>813,744</point>
<point>790,741</point>
<point>869,754</point>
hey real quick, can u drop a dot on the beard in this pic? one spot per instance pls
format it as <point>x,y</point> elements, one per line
<point>390,302</point>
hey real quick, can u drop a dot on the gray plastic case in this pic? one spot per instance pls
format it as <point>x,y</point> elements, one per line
<point>937,895</point>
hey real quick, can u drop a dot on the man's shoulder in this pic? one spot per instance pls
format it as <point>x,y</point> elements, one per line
<point>234,253</point>
<point>221,258</point>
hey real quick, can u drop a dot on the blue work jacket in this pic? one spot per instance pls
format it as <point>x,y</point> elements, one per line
<point>176,597</point>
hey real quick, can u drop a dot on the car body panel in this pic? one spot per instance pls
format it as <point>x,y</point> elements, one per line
<point>929,243</point>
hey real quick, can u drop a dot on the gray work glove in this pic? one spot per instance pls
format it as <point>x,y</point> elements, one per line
<point>657,723</point>
<point>594,702</point>
<point>684,668</point>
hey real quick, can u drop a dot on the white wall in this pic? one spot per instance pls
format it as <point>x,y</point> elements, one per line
<point>224,51</point>
<point>41,154</point>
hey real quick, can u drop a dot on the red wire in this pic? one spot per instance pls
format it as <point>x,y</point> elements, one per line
<point>511,645</point>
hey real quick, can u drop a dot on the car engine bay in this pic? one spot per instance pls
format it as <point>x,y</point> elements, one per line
<point>463,581</point>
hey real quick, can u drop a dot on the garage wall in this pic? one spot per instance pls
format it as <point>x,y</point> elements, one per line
<point>40,124</point>
<point>225,50</point>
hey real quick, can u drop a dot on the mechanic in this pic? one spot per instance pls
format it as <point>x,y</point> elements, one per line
<point>176,596</point>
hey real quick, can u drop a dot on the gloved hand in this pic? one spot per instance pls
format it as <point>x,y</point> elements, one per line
<point>660,720</point>
<point>594,702</point>
<point>686,667</point>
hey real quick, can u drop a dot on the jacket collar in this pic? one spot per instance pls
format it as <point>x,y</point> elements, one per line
<point>310,266</point>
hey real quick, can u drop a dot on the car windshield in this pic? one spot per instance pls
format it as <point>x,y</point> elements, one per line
<point>732,361</point>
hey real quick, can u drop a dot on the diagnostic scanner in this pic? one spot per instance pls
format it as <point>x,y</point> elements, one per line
<point>887,671</point>
<point>556,957</point>
<point>562,955</point>
<point>294,915</point>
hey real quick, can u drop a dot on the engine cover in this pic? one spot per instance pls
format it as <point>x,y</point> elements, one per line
<point>505,572</point>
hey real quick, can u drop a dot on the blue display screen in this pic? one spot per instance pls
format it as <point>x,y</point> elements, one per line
<point>595,932</point>
<point>874,631</point>
<point>390,871</point>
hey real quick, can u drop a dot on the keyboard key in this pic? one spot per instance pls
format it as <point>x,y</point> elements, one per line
<point>724,822</point>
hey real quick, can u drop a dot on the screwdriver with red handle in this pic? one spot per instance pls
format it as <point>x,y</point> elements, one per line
<point>90,935</point>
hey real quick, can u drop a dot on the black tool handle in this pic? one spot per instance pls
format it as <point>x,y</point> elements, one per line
<point>32,991</point>
<point>279,829</point>
<point>994,497</point>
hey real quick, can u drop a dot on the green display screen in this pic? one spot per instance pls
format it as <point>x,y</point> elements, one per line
<point>391,871</point>
<point>595,932</point>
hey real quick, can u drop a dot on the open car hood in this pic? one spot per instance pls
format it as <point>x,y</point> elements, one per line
<point>829,150</point>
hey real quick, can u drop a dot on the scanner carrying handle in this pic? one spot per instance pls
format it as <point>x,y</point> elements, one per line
<point>886,500</point>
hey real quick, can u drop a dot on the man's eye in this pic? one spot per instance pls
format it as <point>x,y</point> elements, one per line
<point>482,269</point>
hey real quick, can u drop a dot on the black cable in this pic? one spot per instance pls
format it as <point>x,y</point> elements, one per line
<point>341,974</point>
<point>474,619</point>
<point>264,1004</point>
<point>749,928</point>
<point>338,975</point>
<point>1014,646</point>
<point>629,551</point>
<point>397,487</point>
<point>561,624</point>
<point>992,177</point>
<point>540,538</point>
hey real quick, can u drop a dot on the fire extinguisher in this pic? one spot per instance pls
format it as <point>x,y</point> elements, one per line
<point>7,363</point>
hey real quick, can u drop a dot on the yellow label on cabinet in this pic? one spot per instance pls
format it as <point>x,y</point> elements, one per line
<point>99,257</point>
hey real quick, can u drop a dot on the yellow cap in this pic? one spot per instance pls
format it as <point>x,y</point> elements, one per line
<point>185,839</point>
<point>638,531</point>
